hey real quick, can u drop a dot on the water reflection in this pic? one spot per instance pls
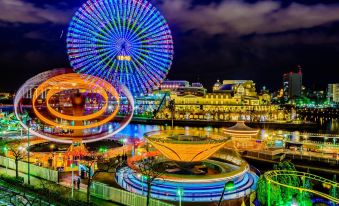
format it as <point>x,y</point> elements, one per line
<point>136,131</point>
<point>326,125</point>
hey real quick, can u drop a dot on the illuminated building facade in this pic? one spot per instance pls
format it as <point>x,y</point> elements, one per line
<point>330,92</point>
<point>335,92</point>
<point>292,83</point>
<point>172,85</point>
<point>230,100</point>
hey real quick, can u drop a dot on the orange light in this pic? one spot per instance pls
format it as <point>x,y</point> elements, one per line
<point>101,91</point>
<point>75,81</point>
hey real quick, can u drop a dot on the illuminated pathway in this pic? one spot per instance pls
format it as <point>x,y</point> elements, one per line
<point>271,175</point>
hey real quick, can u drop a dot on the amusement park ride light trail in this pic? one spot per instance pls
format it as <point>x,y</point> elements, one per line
<point>270,176</point>
<point>100,91</point>
<point>81,84</point>
<point>70,81</point>
<point>64,82</point>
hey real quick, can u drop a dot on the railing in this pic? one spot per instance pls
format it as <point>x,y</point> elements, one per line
<point>272,175</point>
<point>106,192</point>
<point>36,171</point>
<point>261,155</point>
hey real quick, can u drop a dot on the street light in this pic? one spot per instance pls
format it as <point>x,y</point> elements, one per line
<point>52,146</point>
<point>72,166</point>
<point>229,186</point>
<point>5,149</point>
<point>142,182</point>
<point>180,193</point>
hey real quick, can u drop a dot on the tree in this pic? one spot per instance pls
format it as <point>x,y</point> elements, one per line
<point>107,167</point>
<point>304,198</point>
<point>17,151</point>
<point>262,192</point>
<point>171,107</point>
<point>150,169</point>
<point>287,193</point>
<point>333,191</point>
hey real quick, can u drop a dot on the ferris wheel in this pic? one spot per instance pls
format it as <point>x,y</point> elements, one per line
<point>126,41</point>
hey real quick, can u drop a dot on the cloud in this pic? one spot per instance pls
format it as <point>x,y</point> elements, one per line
<point>241,18</point>
<point>20,11</point>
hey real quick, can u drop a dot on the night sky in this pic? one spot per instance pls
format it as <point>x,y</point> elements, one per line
<point>223,39</point>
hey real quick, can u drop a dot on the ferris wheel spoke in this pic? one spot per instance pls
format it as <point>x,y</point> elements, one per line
<point>151,75</point>
<point>121,40</point>
<point>141,72</point>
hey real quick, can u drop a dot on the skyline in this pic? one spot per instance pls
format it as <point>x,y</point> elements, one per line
<point>232,44</point>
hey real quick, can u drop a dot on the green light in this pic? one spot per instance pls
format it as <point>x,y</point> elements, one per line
<point>180,192</point>
<point>103,149</point>
<point>229,186</point>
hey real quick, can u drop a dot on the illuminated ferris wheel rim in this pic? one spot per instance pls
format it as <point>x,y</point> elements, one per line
<point>121,40</point>
<point>37,80</point>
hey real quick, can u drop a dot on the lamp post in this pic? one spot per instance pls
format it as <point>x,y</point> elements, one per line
<point>180,193</point>
<point>229,186</point>
<point>7,160</point>
<point>28,165</point>
<point>72,166</point>
<point>52,146</point>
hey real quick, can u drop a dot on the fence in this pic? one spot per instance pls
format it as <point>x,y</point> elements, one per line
<point>293,156</point>
<point>106,192</point>
<point>36,171</point>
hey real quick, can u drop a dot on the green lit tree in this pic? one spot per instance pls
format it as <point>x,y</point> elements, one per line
<point>287,193</point>
<point>304,198</point>
<point>333,191</point>
<point>263,192</point>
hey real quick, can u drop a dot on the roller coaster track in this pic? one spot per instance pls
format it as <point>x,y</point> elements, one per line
<point>271,178</point>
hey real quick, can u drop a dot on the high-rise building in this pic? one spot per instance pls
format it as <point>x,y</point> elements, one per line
<point>329,94</point>
<point>292,83</point>
<point>336,93</point>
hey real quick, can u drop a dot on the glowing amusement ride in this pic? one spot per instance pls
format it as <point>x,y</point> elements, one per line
<point>69,107</point>
<point>121,48</point>
<point>190,162</point>
<point>114,47</point>
<point>126,41</point>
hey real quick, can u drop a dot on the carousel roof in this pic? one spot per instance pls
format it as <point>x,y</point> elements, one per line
<point>186,145</point>
<point>241,129</point>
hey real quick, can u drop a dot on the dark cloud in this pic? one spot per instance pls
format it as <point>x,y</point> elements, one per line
<point>242,18</point>
<point>21,11</point>
<point>214,39</point>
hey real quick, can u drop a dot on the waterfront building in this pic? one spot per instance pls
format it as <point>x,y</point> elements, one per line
<point>171,85</point>
<point>330,92</point>
<point>336,93</point>
<point>292,83</point>
<point>5,95</point>
<point>230,100</point>
<point>333,92</point>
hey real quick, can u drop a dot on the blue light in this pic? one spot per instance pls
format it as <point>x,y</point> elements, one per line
<point>125,41</point>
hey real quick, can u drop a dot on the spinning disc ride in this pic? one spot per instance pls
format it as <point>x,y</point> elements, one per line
<point>184,159</point>
<point>125,41</point>
<point>66,107</point>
